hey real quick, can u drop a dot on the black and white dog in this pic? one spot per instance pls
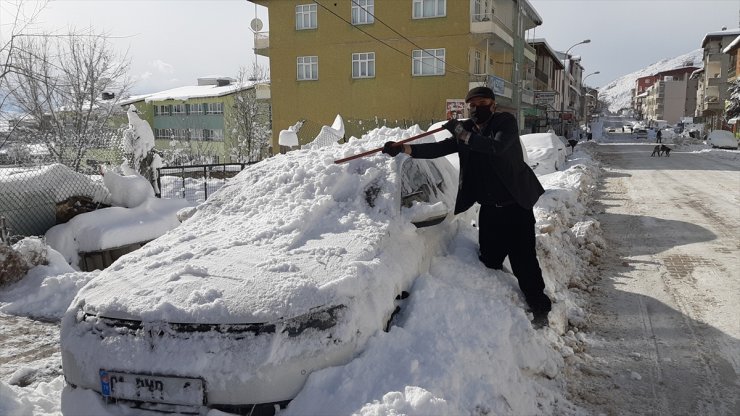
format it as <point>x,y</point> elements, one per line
<point>660,150</point>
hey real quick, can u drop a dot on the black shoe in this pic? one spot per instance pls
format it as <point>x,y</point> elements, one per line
<point>540,319</point>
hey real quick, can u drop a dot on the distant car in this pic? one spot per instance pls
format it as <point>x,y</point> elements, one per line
<point>611,130</point>
<point>545,151</point>
<point>641,133</point>
<point>722,139</point>
<point>233,309</point>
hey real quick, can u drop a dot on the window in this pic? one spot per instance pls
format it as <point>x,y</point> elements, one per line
<point>164,110</point>
<point>195,109</point>
<point>362,12</point>
<point>178,109</point>
<point>363,65</point>
<point>213,135</point>
<point>196,134</point>
<point>308,68</point>
<point>215,108</point>
<point>429,8</point>
<point>428,62</point>
<point>305,17</point>
<point>477,67</point>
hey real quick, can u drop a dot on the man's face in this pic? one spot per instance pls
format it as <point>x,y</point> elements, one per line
<point>481,102</point>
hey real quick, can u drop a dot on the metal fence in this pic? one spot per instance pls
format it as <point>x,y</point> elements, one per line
<point>195,182</point>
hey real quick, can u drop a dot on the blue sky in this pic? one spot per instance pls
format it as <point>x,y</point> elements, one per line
<point>173,42</point>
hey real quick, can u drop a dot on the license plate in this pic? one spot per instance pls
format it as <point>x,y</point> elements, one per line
<point>148,388</point>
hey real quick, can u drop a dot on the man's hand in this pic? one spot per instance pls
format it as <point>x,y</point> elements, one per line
<point>392,148</point>
<point>460,130</point>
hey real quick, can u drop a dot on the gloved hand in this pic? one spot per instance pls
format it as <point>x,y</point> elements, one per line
<point>468,124</point>
<point>454,126</point>
<point>392,149</point>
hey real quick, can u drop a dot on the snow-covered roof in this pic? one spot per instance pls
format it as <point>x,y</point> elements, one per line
<point>732,46</point>
<point>191,91</point>
<point>714,35</point>
<point>696,73</point>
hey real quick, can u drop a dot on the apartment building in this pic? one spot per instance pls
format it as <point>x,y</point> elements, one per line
<point>196,120</point>
<point>548,73</point>
<point>670,96</point>
<point>393,62</point>
<point>713,81</point>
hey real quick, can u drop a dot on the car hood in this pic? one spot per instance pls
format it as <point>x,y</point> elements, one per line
<point>286,235</point>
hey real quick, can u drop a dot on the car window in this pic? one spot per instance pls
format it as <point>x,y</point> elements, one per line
<point>418,182</point>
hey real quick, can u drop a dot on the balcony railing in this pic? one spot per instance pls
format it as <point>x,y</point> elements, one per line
<point>262,43</point>
<point>489,23</point>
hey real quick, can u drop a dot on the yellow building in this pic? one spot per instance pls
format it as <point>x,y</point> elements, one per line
<point>392,62</point>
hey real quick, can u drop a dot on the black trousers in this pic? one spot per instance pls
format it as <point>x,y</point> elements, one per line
<point>509,231</point>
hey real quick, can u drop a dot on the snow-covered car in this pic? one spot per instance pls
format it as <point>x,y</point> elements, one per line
<point>545,151</point>
<point>287,269</point>
<point>722,139</point>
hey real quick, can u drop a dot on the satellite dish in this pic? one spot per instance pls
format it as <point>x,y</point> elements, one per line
<point>256,24</point>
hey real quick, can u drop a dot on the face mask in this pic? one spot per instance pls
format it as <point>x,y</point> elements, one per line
<point>480,114</point>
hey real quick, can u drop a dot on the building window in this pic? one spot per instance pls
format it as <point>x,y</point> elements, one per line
<point>477,67</point>
<point>305,17</point>
<point>363,65</point>
<point>363,11</point>
<point>428,62</point>
<point>195,109</point>
<point>429,8</point>
<point>308,68</point>
<point>215,108</point>
<point>164,110</point>
<point>216,135</point>
<point>178,109</point>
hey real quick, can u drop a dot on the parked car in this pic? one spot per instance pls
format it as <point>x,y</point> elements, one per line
<point>545,151</point>
<point>289,268</point>
<point>722,139</point>
<point>641,133</point>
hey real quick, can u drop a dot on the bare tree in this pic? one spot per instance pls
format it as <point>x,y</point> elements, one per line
<point>248,119</point>
<point>61,82</point>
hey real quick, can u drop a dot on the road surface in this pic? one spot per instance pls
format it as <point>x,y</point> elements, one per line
<point>665,315</point>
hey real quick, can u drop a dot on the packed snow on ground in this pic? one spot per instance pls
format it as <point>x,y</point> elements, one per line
<point>463,344</point>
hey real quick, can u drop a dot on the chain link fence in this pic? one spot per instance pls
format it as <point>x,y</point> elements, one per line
<point>35,198</point>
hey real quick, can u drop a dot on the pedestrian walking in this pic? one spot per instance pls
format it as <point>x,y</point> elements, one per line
<point>659,137</point>
<point>493,173</point>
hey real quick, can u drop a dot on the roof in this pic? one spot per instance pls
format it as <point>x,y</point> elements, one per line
<point>714,35</point>
<point>732,46</point>
<point>188,92</point>
<point>549,49</point>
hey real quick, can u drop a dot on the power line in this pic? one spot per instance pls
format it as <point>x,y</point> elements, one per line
<point>383,42</point>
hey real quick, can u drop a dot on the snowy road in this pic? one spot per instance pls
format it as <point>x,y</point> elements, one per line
<point>665,315</point>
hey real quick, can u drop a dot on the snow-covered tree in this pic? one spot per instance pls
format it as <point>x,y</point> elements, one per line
<point>65,85</point>
<point>733,110</point>
<point>249,118</point>
<point>138,148</point>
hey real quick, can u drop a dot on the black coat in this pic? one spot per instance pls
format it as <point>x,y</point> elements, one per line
<point>499,140</point>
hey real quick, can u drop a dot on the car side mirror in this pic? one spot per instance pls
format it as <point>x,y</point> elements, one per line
<point>425,214</point>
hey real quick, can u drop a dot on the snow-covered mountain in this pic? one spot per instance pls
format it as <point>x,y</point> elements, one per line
<point>618,93</point>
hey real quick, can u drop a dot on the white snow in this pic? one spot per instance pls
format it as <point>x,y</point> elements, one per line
<point>463,344</point>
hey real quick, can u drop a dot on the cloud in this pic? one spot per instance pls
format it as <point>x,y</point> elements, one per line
<point>145,75</point>
<point>162,66</point>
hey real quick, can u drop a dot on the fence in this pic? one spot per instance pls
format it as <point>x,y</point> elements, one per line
<point>34,199</point>
<point>195,182</point>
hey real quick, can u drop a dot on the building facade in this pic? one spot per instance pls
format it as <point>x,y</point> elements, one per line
<point>671,97</point>
<point>713,81</point>
<point>548,73</point>
<point>393,62</point>
<point>197,121</point>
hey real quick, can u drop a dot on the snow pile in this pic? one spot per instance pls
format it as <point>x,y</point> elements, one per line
<point>55,182</point>
<point>463,343</point>
<point>618,93</point>
<point>127,191</point>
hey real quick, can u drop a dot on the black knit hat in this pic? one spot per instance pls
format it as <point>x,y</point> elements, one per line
<point>484,92</point>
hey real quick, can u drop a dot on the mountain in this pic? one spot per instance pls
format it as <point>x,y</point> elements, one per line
<point>618,93</point>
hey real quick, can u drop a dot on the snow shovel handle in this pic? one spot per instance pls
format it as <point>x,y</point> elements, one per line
<point>369,152</point>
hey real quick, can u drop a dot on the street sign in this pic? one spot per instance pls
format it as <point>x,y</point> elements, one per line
<point>544,98</point>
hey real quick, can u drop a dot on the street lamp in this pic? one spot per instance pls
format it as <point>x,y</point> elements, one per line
<point>562,106</point>
<point>583,81</point>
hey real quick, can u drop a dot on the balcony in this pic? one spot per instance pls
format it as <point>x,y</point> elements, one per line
<point>527,97</point>
<point>488,23</point>
<point>262,43</point>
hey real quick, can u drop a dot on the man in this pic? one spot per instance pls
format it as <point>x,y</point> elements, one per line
<point>659,136</point>
<point>494,174</point>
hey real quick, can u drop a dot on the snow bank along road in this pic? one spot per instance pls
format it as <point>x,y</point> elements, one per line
<point>666,312</point>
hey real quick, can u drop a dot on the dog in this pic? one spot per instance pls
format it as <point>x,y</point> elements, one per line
<point>660,150</point>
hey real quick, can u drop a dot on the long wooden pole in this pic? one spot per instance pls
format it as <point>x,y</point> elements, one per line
<point>398,143</point>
